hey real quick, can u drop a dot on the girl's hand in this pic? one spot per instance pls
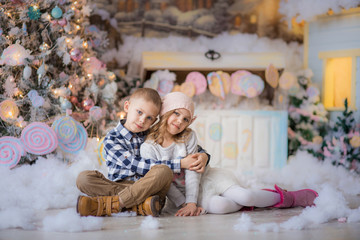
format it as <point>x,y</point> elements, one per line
<point>200,164</point>
<point>189,210</point>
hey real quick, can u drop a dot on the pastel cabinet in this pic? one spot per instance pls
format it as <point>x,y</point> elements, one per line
<point>243,140</point>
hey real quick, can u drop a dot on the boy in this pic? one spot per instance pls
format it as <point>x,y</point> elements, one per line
<point>134,183</point>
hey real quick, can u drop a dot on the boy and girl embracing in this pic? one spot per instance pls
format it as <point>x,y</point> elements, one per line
<point>148,167</point>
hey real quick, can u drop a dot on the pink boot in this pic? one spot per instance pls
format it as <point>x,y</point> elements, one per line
<point>302,198</point>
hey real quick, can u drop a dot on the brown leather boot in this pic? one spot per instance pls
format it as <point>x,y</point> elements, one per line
<point>151,206</point>
<point>98,206</point>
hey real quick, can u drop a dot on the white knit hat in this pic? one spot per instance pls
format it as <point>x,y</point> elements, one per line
<point>175,100</point>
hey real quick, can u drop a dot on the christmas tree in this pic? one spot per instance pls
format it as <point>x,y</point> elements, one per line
<point>49,67</point>
<point>342,144</point>
<point>307,117</point>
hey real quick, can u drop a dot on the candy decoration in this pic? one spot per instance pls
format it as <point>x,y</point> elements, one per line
<point>287,80</point>
<point>56,12</point>
<point>8,110</point>
<point>38,138</point>
<point>176,88</point>
<point>78,143</point>
<point>218,85</point>
<point>235,79</point>
<point>199,80</point>
<point>95,113</point>
<point>65,129</point>
<point>11,150</point>
<point>272,76</point>
<point>226,79</point>
<point>37,101</point>
<point>100,151</point>
<point>252,85</point>
<point>32,93</point>
<point>188,88</point>
<point>165,86</point>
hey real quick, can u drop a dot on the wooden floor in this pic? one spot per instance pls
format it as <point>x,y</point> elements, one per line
<point>203,227</point>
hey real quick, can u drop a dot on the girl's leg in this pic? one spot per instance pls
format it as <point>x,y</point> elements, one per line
<point>222,205</point>
<point>251,198</point>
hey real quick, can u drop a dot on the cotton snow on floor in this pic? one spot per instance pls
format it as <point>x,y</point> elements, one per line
<point>30,192</point>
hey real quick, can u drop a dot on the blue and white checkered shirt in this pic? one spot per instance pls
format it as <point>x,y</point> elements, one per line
<point>122,155</point>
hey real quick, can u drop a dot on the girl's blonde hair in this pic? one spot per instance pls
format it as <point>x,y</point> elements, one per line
<point>157,132</point>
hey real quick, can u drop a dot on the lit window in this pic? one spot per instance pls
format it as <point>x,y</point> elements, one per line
<point>339,78</point>
<point>337,82</point>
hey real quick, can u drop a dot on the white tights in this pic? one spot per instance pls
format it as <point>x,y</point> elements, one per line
<point>234,198</point>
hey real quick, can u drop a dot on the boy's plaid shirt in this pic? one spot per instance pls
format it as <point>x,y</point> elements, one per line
<point>122,155</point>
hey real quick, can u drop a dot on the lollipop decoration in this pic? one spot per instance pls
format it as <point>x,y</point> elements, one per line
<point>65,129</point>
<point>37,101</point>
<point>78,143</point>
<point>38,138</point>
<point>199,81</point>
<point>165,86</point>
<point>287,80</point>
<point>272,76</point>
<point>100,151</point>
<point>235,79</point>
<point>188,88</point>
<point>252,85</point>
<point>95,113</point>
<point>11,150</point>
<point>219,84</point>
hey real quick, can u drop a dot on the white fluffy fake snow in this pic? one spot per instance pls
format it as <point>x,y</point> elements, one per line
<point>150,222</point>
<point>308,9</point>
<point>336,187</point>
<point>43,196</point>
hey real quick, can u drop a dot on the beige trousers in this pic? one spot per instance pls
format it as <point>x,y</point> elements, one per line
<point>156,182</point>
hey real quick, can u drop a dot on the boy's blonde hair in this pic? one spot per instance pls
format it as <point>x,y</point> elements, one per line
<point>148,94</point>
<point>157,132</point>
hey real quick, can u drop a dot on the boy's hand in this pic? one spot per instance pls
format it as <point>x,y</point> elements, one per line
<point>200,164</point>
<point>187,161</point>
<point>189,210</point>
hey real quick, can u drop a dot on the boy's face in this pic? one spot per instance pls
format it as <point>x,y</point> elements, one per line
<point>141,114</point>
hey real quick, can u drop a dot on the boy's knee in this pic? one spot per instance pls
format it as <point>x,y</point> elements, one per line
<point>163,171</point>
<point>82,179</point>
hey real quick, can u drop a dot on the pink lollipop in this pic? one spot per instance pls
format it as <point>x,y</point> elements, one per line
<point>199,80</point>
<point>11,150</point>
<point>235,82</point>
<point>78,143</point>
<point>38,138</point>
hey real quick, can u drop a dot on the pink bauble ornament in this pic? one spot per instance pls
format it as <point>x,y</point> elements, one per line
<point>87,104</point>
<point>94,65</point>
<point>75,54</point>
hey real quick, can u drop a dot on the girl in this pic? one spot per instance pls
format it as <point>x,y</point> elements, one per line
<point>217,191</point>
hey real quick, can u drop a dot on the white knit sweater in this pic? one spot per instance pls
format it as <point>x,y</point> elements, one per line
<point>152,150</point>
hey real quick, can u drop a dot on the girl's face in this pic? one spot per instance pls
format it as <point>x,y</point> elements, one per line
<point>178,121</point>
